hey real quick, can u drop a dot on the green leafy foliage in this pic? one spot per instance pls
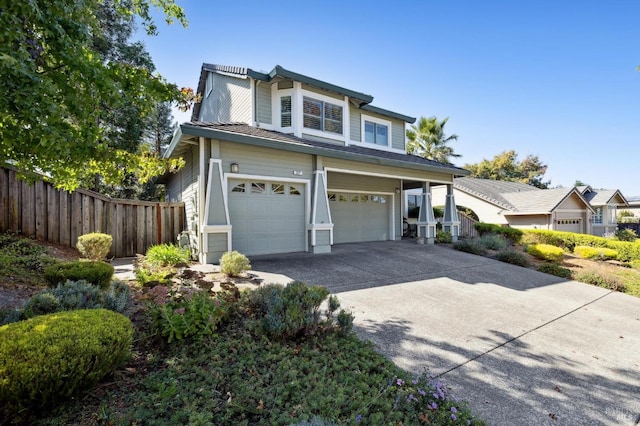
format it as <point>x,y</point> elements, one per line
<point>513,257</point>
<point>62,88</point>
<point>625,216</point>
<point>233,263</point>
<point>185,313</point>
<point>20,257</point>
<point>505,166</point>
<point>601,280</point>
<point>289,311</point>
<point>599,253</point>
<point>470,245</point>
<point>97,273</point>
<point>512,234</point>
<point>443,237</point>
<point>427,139</point>
<point>553,268</point>
<point>167,255</point>
<point>48,359</point>
<point>546,252</point>
<point>94,246</point>
<point>626,234</point>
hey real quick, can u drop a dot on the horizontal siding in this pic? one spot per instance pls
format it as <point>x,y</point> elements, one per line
<point>323,92</point>
<point>229,101</point>
<point>217,242</point>
<point>361,183</point>
<point>257,160</point>
<point>387,170</point>
<point>398,135</point>
<point>183,187</point>
<point>263,101</point>
<point>355,125</point>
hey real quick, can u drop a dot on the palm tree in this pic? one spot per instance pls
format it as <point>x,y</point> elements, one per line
<point>427,139</point>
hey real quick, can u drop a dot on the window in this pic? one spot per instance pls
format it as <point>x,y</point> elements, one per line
<point>277,188</point>
<point>597,217</point>
<point>285,111</point>
<point>413,205</point>
<point>376,133</point>
<point>239,188</point>
<point>257,188</point>
<point>294,190</point>
<point>323,116</point>
<point>613,217</point>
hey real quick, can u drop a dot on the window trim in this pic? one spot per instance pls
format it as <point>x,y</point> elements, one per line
<point>598,216</point>
<point>325,99</point>
<point>364,118</point>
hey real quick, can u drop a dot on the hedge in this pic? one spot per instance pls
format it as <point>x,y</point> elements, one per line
<point>546,252</point>
<point>512,234</point>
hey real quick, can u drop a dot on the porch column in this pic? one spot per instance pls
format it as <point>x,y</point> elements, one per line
<point>216,227</point>
<point>451,221</point>
<point>426,219</point>
<point>321,229</point>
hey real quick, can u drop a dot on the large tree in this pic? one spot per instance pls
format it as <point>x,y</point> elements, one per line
<point>69,88</point>
<point>427,139</point>
<point>505,166</point>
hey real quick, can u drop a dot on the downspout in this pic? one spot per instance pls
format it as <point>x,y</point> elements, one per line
<point>255,103</point>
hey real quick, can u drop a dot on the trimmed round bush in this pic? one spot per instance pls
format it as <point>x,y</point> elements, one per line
<point>553,268</point>
<point>49,358</point>
<point>97,273</point>
<point>233,263</point>
<point>546,252</point>
<point>94,246</point>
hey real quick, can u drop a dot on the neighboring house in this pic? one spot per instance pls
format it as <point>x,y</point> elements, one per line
<point>281,162</point>
<point>605,204</point>
<point>633,205</point>
<point>520,205</point>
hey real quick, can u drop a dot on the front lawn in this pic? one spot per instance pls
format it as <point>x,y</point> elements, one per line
<point>247,365</point>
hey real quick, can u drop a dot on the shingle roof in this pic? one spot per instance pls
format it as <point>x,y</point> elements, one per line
<point>601,197</point>
<point>492,190</point>
<point>289,142</point>
<point>514,196</point>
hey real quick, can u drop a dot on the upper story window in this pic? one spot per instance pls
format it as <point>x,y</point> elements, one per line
<point>321,115</point>
<point>285,111</point>
<point>376,133</point>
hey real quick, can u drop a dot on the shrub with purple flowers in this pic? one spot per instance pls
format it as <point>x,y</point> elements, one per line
<point>185,312</point>
<point>420,400</point>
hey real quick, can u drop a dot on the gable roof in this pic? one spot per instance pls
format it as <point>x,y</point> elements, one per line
<point>245,134</point>
<point>601,197</point>
<point>516,197</point>
<point>363,100</point>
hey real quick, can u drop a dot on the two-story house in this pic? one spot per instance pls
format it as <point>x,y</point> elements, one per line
<point>605,204</point>
<point>281,162</point>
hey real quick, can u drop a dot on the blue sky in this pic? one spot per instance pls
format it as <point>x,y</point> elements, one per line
<point>556,79</point>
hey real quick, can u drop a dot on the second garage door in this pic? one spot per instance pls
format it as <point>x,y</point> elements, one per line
<point>570,225</point>
<point>267,217</point>
<point>359,217</point>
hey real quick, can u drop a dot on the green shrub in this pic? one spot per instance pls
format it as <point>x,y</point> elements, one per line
<point>185,313</point>
<point>627,251</point>
<point>601,280</point>
<point>94,246</point>
<point>443,237</point>
<point>345,321</point>
<point>470,245</point>
<point>167,255</point>
<point>75,295</point>
<point>47,359</point>
<point>513,257</point>
<point>512,234</point>
<point>626,235</point>
<point>553,268</point>
<point>233,263</point>
<point>635,264</point>
<point>148,276</point>
<point>97,273</point>
<point>289,311</point>
<point>599,253</point>
<point>493,242</point>
<point>546,252</point>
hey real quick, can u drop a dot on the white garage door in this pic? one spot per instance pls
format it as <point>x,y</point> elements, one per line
<point>359,217</point>
<point>267,217</point>
<point>570,225</point>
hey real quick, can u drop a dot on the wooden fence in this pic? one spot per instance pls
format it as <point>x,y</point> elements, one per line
<point>467,228</point>
<point>41,211</point>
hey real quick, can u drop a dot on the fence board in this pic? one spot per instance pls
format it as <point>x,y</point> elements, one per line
<point>40,210</point>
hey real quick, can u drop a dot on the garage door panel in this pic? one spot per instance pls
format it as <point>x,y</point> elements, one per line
<point>359,217</point>
<point>266,218</point>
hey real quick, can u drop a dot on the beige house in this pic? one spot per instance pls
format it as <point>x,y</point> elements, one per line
<point>605,204</point>
<point>520,205</point>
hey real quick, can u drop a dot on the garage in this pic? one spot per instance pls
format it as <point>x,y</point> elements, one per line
<point>267,216</point>
<point>570,225</point>
<point>359,217</point>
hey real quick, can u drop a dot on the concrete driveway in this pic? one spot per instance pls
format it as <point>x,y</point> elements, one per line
<point>520,346</point>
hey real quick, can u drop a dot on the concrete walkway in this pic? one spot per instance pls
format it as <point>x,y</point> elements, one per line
<point>520,346</point>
